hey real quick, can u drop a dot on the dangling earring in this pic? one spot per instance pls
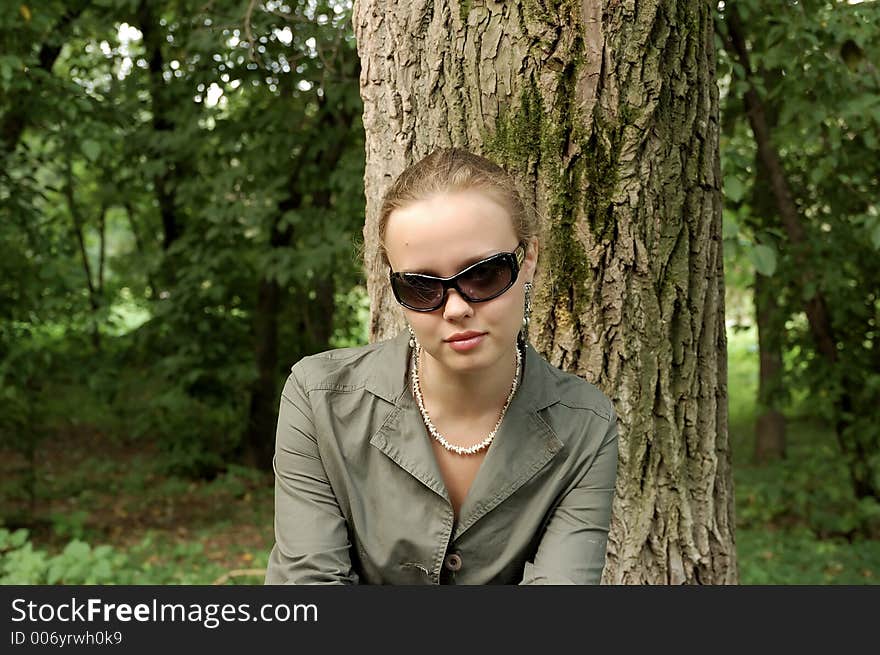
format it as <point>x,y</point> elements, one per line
<point>412,336</point>
<point>527,312</point>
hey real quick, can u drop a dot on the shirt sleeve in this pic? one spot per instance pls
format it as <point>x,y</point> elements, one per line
<point>572,548</point>
<point>311,537</point>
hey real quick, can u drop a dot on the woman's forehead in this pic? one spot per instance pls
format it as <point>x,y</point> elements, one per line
<point>444,233</point>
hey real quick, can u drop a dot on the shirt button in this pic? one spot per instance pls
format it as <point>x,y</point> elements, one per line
<point>453,561</point>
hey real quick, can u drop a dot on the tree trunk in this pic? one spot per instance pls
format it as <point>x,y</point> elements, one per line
<point>95,292</point>
<point>258,441</point>
<point>318,314</point>
<point>164,126</point>
<point>770,423</point>
<point>314,315</point>
<point>607,113</point>
<point>21,110</point>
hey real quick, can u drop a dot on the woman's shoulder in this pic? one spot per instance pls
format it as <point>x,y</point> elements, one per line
<point>571,392</point>
<point>341,368</point>
<point>577,411</point>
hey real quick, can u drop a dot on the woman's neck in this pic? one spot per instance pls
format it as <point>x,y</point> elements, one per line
<point>466,393</point>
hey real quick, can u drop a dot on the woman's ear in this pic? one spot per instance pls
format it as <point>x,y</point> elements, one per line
<point>531,259</point>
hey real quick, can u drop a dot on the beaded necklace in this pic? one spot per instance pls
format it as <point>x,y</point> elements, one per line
<point>460,450</point>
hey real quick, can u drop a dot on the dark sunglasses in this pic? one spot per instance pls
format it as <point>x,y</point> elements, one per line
<point>479,282</point>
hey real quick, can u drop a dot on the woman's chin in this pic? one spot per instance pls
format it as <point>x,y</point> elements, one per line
<point>470,360</point>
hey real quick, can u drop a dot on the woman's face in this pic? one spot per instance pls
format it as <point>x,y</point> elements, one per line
<point>441,235</point>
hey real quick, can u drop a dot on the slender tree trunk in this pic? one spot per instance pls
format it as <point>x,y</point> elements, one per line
<point>139,246</point>
<point>163,127</point>
<point>261,427</point>
<point>102,248</point>
<point>316,315</point>
<point>258,439</point>
<point>816,307</point>
<point>608,115</point>
<point>95,298</point>
<point>317,319</point>
<point>770,317</point>
<point>770,423</point>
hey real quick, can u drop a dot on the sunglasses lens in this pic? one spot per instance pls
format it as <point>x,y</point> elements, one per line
<point>482,281</point>
<point>487,279</point>
<point>418,292</point>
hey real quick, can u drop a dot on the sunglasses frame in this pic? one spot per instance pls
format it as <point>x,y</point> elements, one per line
<point>514,259</point>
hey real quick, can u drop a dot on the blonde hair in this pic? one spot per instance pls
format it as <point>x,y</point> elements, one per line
<point>454,169</point>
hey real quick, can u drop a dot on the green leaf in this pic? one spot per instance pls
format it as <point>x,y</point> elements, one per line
<point>91,149</point>
<point>77,549</point>
<point>734,189</point>
<point>18,538</point>
<point>809,290</point>
<point>9,66</point>
<point>875,236</point>
<point>729,225</point>
<point>763,258</point>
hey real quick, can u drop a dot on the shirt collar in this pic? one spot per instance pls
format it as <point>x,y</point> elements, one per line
<point>525,443</point>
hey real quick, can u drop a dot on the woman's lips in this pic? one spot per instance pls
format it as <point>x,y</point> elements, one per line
<point>463,345</point>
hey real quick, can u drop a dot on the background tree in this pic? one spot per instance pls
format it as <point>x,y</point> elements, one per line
<point>804,83</point>
<point>197,175</point>
<point>609,118</point>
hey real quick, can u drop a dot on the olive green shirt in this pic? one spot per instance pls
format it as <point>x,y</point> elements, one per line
<point>359,497</point>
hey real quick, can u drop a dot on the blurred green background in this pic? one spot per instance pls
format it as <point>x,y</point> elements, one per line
<point>181,205</point>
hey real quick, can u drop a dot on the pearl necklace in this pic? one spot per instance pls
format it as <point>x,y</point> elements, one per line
<point>460,450</point>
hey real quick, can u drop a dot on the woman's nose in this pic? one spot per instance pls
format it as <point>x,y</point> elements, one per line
<point>456,307</point>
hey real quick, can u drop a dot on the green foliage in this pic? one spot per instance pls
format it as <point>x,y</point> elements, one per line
<point>353,316</point>
<point>773,557</point>
<point>797,520</point>
<point>809,488</point>
<point>78,563</point>
<point>70,524</point>
<point>199,437</point>
<point>165,529</point>
<point>164,169</point>
<point>811,65</point>
<point>763,258</point>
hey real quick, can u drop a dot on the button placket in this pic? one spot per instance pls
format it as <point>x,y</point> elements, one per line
<point>440,559</point>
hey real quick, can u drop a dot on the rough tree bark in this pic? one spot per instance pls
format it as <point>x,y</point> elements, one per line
<point>607,112</point>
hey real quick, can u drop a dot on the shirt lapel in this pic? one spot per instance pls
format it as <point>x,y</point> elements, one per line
<point>402,436</point>
<point>523,445</point>
<point>404,439</point>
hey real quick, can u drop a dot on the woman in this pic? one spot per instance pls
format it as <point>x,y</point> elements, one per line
<point>454,453</point>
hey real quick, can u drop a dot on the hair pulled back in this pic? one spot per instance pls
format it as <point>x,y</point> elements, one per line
<point>449,170</point>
